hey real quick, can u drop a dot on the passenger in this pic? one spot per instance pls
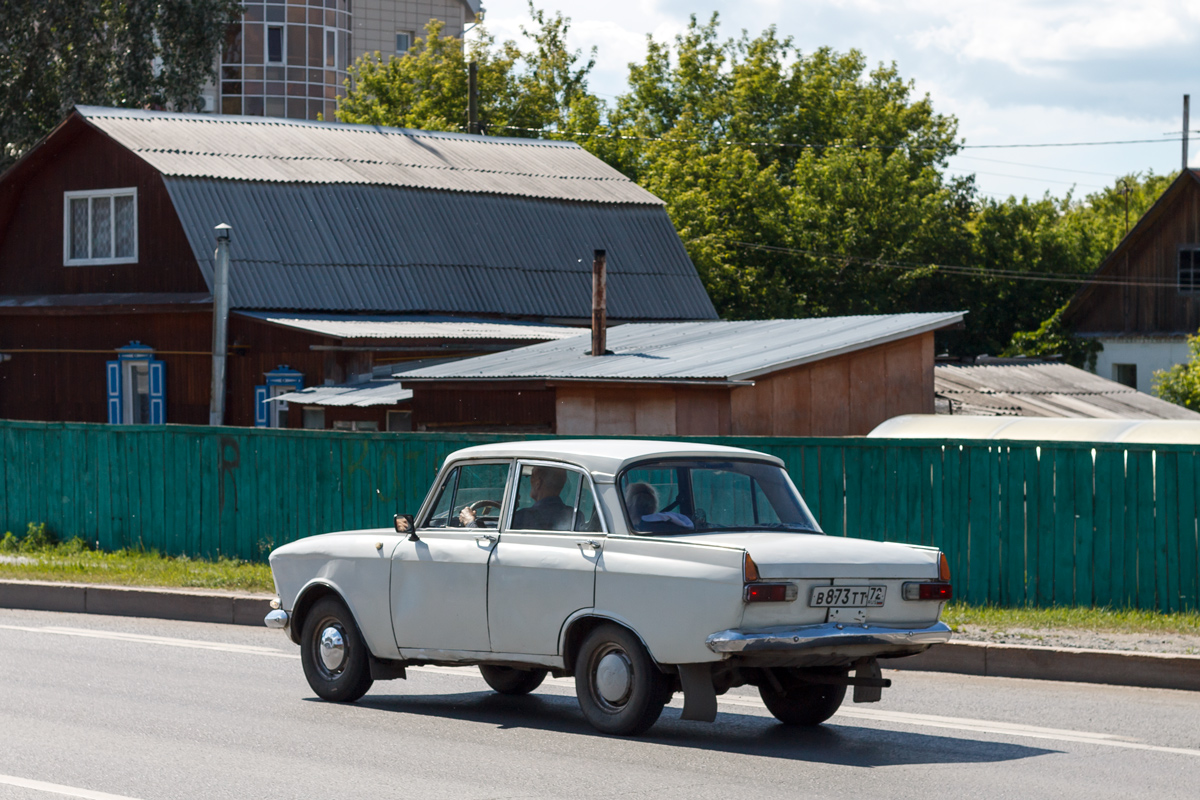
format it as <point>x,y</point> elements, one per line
<point>548,512</point>
<point>641,501</point>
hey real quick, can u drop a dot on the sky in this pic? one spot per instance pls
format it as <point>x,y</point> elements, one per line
<point>1011,71</point>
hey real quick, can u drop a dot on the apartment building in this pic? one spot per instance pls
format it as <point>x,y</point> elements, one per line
<point>290,58</point>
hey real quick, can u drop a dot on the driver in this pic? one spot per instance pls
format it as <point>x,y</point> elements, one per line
<point>548,512</point>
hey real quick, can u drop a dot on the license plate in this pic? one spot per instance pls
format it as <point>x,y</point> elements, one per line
<point>846,596</point>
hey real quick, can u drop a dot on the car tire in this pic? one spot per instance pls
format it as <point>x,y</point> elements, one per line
<point>512,680</point>
<point>620,689</point>
<point>801,703</point>
<point>333,654</point>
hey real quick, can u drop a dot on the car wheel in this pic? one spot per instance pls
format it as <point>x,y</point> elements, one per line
<point>511,680</point>
<point>801,703</point>
<point>332,651</point>
<point>620,689</point>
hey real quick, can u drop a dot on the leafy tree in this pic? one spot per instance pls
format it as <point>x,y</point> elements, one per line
<point>133,54</point>
<point>1181,383</point>
<point>1053,338</point>
<point>521,92</point>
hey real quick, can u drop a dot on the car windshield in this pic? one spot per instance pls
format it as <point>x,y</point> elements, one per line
<point>665,497</point>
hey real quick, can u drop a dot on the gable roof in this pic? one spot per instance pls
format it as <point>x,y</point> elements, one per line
<point>1046,390</point>
<point>709,351</point>
<point>1188,177</point>
<point>291,151</point>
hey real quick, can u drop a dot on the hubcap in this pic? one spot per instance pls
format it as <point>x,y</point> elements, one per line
<point>332,648</point>
<point>614,676</point>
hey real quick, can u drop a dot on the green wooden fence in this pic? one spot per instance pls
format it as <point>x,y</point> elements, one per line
<point>1023,523</point>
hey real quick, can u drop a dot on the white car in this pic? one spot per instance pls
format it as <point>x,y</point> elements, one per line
<point>642,568</point>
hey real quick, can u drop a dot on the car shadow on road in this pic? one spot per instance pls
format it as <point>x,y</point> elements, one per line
<point>837,742</point>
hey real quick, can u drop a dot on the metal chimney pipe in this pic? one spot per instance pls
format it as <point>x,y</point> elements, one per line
<point>473,97</point>
<point>216,407</point>
<point>1186,99</point>
<point>599,303</point>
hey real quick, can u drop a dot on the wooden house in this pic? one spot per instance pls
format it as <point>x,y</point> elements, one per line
<point>107,252</point>
<point>1143,300</point>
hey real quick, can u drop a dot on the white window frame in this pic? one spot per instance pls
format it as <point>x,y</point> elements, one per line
<point>112,194</point>
<point>410,36</point>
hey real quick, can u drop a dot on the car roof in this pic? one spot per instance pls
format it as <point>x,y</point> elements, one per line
<point>604,458</point>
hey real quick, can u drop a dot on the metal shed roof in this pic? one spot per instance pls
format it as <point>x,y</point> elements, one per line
<point>297,151</point>
<point>1046,390</point>
<point>392,249</point>
<point>343,326</point>
<point>372,393</point>
<point>696,350</point>
<point>941,426</point>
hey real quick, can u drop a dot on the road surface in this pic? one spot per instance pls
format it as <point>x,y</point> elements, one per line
<point>110,708</point>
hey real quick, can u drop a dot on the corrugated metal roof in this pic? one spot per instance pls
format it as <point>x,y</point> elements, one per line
<point>1046,390</point>
<point>343,326</point>
<point>941,426</point>
<point>297,151</point>
<point>371,393</point>
<point>389,249</point>
<point>695,350</point>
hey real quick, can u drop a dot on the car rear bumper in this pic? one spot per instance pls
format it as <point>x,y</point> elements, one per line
<point>276,619</point>
<point>830,635</point>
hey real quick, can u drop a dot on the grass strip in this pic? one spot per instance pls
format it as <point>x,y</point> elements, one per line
<point>1060,618</point>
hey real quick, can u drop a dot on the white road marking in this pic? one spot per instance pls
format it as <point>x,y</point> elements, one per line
<point>139,638</point>
<point>875,715</point>
<point>55,788</point>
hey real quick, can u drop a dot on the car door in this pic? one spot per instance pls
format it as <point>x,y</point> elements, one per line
<point>543,568</point>
<point>439,582</point>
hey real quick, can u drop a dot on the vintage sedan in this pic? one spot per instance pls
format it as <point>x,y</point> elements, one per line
<point>641,568</point>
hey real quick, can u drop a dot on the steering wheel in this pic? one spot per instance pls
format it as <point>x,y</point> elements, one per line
<point>483,504</point>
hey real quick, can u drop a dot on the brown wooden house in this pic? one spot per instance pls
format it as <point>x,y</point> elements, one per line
<point>1144,299</point>
<point>838,376</point>
<point>106,258</point>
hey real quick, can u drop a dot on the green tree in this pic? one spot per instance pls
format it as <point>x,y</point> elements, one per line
<point>1181,383</point>
<point>521,92</point>
<point>132,54</point>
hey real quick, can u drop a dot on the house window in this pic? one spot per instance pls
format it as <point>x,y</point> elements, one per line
<point>331,61</point>
<point>136,387</point>
<point>403,42</point>
<point>100,227</point>
<point>274,44</point>
<point>271,413</point>
<point>1189,269</point>
<point>355,425</point>
<point>1125,374</point>
<point>399,421</point>
<point>314,418</point>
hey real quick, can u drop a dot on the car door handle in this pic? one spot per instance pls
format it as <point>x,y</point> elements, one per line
<point>590,543</point>
<point>486,538</point>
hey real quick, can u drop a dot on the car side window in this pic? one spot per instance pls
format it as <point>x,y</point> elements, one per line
<point>587,515</point>
<point>441,509</point>
<point>547,498</point>
<point>478,496</point>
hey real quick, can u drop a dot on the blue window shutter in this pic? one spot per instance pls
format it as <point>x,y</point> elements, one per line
<point>158,393</point>
<point>260,406</point>
<point>114,392</point>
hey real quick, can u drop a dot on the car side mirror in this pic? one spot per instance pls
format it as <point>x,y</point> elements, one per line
<point>404,524</point>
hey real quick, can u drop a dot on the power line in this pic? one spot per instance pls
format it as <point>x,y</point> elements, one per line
<point>1037,166</point>
<point>835,146</point>
<point>954,269</point>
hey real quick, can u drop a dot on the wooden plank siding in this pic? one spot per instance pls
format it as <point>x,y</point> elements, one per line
<point>1149,254</point>
<point>1023,523</point>
<point>845,395</point>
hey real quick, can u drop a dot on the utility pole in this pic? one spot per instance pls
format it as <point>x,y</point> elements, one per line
<point>1125,191</point>
<point>216,406</point>
<point>1185,131</point>
<point>473,98</point>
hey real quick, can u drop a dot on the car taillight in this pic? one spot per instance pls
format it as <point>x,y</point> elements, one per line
<point>928,591</point>
<point>749,569</point>
<point>770,592</point>
<point>943,568</point>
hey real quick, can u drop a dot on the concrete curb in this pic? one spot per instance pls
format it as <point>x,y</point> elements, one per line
<point>1120,668</point>
<point>230,608</point>
<point>1116,667</point>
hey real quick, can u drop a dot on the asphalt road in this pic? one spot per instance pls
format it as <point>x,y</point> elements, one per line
<point>110,708</point>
